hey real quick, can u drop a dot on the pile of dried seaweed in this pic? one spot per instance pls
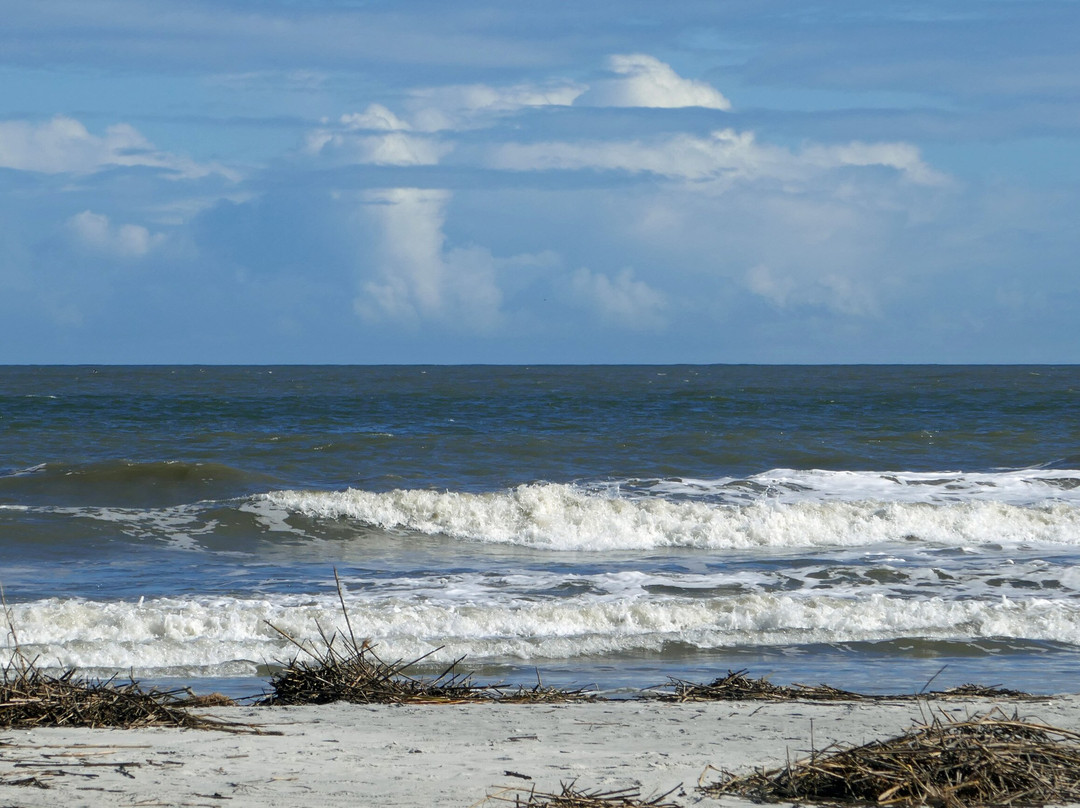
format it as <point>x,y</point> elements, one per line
<point>356,674</point>
<point>970,691</point>
<point>30,697</point>
<point>986,760</point>
<point>539,694</point>
<point>570,797</point>
<point>345,669</point>
<point>737,686</point>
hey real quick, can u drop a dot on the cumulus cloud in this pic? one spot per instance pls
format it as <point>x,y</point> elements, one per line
<point>644,81</point>
<point>830,289</point>
<point>622,300</point>
<point>95,231</point>
<point>375,136</point>
<point>377,118</point>
<point>64,145</point>
<point>391,149</point>
<point>725,156</point>
<point>812,220</point>
<point>417,277</point>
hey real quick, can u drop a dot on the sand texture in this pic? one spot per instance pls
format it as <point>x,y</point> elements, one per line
<point>444,755</point>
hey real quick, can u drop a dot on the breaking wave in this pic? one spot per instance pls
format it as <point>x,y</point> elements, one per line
<point>212,634</point>
<point>780,509</point>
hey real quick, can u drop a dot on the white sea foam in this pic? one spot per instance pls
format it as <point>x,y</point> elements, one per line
<point>206,634</point>
<point>568,517</point>
<point>1011,486</point>
<point>177,525</point>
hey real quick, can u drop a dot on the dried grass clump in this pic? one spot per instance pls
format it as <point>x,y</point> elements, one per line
<point>570,797</point>
<point>737,686</point>
<point>357,675</point>
<point>970,691</point>
<point>540,694</point>
<point>351,671</point>
<point>31,698</point>
<point>989,760</point>
<point>345,669</point>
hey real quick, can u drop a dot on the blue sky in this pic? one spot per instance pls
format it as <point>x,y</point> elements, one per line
<point>380,182</point>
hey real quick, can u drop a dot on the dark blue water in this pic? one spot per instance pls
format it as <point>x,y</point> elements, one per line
<point>864,525</point>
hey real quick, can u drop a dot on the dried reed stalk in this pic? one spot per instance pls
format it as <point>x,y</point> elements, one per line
<point>570,797</point>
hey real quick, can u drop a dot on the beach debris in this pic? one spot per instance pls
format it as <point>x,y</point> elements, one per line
<point>987,760</point>
<point>737,686</point>
<point>348,669</point>
<point>571,797</point>
<point>972,691</point>
<point>205,700</point>
<point>30,697</point>
<point>356,674</point>
<point>541,693</point>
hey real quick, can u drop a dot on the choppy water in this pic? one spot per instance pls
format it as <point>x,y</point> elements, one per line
<point>617,525</point>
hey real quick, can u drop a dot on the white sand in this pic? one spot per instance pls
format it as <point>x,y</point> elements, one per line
<point>347,755</point>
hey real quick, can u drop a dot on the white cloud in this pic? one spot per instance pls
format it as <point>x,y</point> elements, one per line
<point>375,136</point>
<point>812,220</point>
<point>375,117</point>
<point>94,230</point>
<point>64,145</point>
<point>640,81</point>
<point>466,106</point>
<point>724,157</point>
<point>419,279</point>
<point>765,282</point>
<point>832,290</point>
<point>644,81</point>
<point>622,300</point>
<point>903,157</point>
<point>391,149</point>
<point>725,154</point>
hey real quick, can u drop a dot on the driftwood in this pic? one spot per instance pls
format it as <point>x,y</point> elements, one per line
<point>989,760</point>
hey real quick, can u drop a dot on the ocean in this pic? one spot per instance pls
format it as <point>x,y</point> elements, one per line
<point>871,527</point>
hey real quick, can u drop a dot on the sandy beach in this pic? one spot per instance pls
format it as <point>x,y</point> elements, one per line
<point>445,755</point>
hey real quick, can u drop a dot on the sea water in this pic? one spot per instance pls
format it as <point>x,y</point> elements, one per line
<point>872,527</point>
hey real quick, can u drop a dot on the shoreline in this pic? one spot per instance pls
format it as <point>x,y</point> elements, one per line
<point>451,755</point>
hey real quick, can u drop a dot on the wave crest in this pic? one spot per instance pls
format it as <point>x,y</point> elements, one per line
<point>567,517</point>
<point>205,634</point>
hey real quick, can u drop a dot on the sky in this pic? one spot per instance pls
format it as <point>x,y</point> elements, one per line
<point>410,181</point>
